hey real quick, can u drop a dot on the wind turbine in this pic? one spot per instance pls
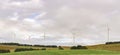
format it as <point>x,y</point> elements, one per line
<point>110,15</point>
<point>14,35</point>
<point>73,34</point>
<point>108,33</point>
<point>44,36</point>
<point>29,37</point>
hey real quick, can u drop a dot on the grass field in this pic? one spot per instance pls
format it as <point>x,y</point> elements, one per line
<point>64,52</point>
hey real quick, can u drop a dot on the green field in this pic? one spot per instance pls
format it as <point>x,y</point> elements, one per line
<point>64,52</point>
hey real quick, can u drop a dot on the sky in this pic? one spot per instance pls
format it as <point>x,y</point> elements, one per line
<point>27,21</point>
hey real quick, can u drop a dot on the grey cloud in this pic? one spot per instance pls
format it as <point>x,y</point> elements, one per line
<point>86,18</point>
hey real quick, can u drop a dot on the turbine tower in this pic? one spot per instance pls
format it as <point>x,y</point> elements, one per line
<point>14,35</point>
<point>29,37</point>
<point>44,38</point>
<point>74,32</point>
<point>108,33</point>
<point>44,35</point>
<point>73,38</point>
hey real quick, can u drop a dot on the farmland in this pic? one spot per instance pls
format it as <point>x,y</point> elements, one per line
<point>64,52</point>
<point>110,47</point>
<point>102,49</point>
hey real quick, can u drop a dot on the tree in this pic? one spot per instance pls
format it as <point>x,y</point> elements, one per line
<point>60,48</point>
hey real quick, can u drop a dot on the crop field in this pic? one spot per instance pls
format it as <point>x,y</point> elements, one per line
<point>65,52</point>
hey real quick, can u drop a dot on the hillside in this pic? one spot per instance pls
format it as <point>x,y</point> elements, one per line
<point>111,47</point>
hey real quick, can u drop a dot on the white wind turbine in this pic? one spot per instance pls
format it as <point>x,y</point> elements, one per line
<point>73,32</point>
<point>74,35</point>
<point>108,33</point>
<point>44,36</point>
<point>29,37</point>
<point>14,36</point>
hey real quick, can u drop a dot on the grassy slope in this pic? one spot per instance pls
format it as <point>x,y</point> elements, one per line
<point>111,47</point>
<point>64,52</point>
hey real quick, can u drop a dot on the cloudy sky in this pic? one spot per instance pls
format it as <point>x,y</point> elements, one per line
<point>26,21</point>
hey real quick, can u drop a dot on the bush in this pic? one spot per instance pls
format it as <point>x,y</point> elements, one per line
<point>117,42</point>
<point>60,48</point>
<point>51,46</point>
<point>74,47</point>
<point>4,51</point>
<point>24,49</point>
<point>9,43</point>
<point>38,45</point>
<point>79,47</point>
<point>43,48</point>
<point>24,45</point>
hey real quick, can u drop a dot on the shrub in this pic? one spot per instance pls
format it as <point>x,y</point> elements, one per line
<point>74,47</point>
<point>17,44</point>
<point>43,48</point>
<point>24,45</point>
<point>60,48</point>
<point>24,49</point>
<point>79,47</point>
<point>9,43</point>
<point>38,45</point>
<point>4,51</point>
<point>51,46</point>
<point>117,42</point>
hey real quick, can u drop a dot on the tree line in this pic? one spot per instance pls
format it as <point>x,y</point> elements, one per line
<point>116,42</point>
<point>17,44</point>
